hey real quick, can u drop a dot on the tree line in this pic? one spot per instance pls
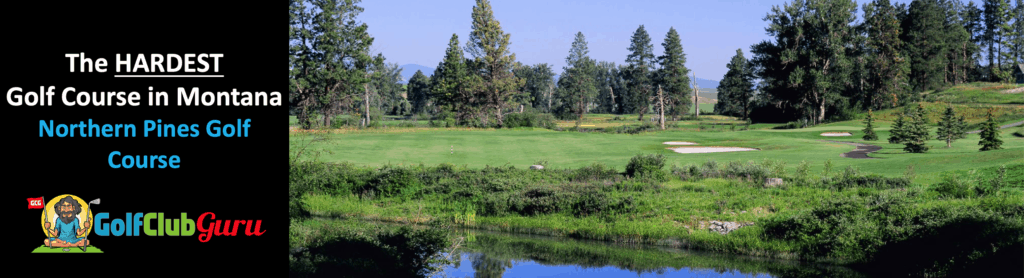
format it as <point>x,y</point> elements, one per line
<point>823,63</point>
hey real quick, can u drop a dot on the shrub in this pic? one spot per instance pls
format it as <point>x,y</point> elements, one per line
<point>529,119</point>
<point>595,171</point>
<point>957,186</point>
<point>789,125</point>
<point>633,129</point>
<point>648,166</point>
<point>392,181</point>
<point>870,181</point>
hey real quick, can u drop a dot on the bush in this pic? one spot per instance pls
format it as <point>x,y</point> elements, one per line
<point>875,181</point>
<point>392,181</point>
<point>596,171</point>
<point>886,231</point>
<point>957,186</point>
<point>633,129</point>
<point>529,119</point>
<point>789,125</point>
<point>647,166</point>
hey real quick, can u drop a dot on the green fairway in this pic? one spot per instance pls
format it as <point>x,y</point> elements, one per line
<point>522,148</point>
<point>44,249</point>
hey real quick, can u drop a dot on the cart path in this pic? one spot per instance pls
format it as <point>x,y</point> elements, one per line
<point>861,152</point>
<point>1002,127</point>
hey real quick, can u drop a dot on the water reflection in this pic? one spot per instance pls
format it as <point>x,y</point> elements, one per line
<point>469,267</point>
<point>489,254</point>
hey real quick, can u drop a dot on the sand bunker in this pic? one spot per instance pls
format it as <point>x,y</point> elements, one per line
<point>710,149</point>
<point>836,134</point>
<point>679,143</point>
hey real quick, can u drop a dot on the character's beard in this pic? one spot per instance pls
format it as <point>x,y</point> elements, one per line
<point>67,220</point>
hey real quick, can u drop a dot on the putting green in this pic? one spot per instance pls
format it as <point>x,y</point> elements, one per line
<point>44,249</point>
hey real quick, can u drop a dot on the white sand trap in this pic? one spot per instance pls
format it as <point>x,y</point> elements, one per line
<point>710,149</point>
<point>832,134</point>
<point>679,143</point>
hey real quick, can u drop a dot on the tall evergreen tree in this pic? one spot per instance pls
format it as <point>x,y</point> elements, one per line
<point>990,134</point>
<point>926,44</point>
<point>1017,33</point>
<point>974,25</point>
<point>576,85</point>
<point>331,57</point>
<point>605,81</point>
<point>641,65</point>
<point>869,129</point>
<point>916,132</point>
<point>488,45</point>
<point>996,23</point>
<point>453,86</point>
<point>888,66</point>
<point>959,48</point>
<point>736,88</point>
<point>673,75</point>
<point>418,92</point>
<point>951,127</point>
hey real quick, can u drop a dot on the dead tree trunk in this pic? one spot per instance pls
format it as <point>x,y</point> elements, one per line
<point>696,108</point>
<point>611,93</point>
<point>366,107</point>
<point>661,108</point>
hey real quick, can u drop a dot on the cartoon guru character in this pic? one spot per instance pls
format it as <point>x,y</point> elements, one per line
<point>67,228</point>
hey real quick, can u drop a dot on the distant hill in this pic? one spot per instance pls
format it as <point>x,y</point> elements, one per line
<point>408,70</point>
<point>706,83</point>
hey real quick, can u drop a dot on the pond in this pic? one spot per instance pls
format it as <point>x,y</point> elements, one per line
<point>367,248</point>
<point>492,254</point>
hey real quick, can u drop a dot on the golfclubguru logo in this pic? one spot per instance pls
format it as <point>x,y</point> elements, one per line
<point>67,218</point>
<point>155,224</point>
<point>65,221</point>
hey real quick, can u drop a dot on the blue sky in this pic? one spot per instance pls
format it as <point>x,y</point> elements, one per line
<point>417,32</point>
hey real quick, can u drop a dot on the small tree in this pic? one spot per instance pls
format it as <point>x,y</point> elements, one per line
<point>990,135</point>
<point>916,132</point>
<point>896,132</point>
<point>869,130</point>
<point>951,127</point>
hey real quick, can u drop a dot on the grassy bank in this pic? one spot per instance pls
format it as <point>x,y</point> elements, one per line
<point>839,215</point>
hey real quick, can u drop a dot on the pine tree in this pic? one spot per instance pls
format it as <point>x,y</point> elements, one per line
<point>641,63</point>
<point>888,67</point>
<point>418,92</point>
<point>916,132</point>
<point>990,135</point>
<point>869,130</point>
<point>488,45</point>
<point>736,88</point>
<point>896,133</point>
<point>673,74</point>
<point>452,85</point>
<point>951,127</point>
<point>576,86</point>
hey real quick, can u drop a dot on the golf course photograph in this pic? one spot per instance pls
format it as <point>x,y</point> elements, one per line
<point>789,138</point>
